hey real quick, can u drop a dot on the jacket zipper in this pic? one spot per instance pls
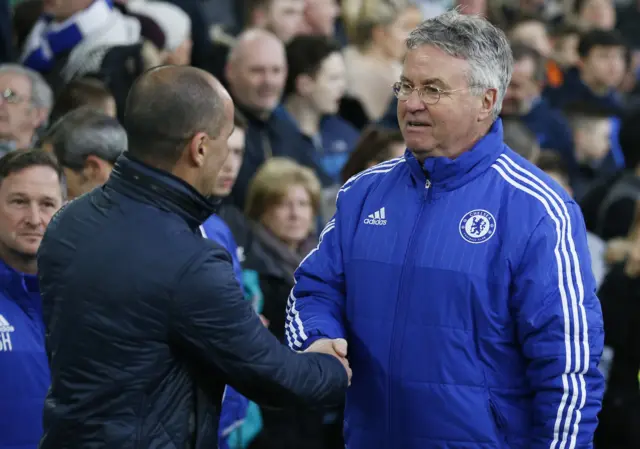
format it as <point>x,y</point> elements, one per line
<point>392,354</point>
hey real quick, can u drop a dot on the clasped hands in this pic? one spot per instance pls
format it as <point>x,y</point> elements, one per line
<point>336,347</point>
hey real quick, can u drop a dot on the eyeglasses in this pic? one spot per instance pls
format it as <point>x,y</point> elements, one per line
<point>11,97</point>
<point>428,94</point>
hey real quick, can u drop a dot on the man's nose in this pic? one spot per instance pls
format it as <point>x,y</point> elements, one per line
<point>33,215</point>
<point>414,102</point>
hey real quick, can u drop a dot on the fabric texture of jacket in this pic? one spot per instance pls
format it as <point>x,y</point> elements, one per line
<point>24,368</point>
<point>146,323</point>
<point>464,289</point>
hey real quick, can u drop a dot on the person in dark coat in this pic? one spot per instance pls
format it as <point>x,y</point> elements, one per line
<point>145,321</point>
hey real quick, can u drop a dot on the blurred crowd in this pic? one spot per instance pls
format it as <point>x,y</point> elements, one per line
<point>312,85</point>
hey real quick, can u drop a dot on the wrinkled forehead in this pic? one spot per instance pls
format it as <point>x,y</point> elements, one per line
<point>428,64</point>
<point>16,82</point>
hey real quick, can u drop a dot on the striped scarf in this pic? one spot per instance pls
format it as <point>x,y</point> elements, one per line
<point>49,39</point>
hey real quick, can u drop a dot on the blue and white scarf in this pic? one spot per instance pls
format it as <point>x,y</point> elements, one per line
<point>49,39</point>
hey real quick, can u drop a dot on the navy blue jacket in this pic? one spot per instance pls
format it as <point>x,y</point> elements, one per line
<point>24,368</point>
<point>464,289</point>
<point>146,323</point>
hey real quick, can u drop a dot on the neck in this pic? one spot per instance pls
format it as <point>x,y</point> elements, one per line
<point>306,117</point>
<point>19,262</point>
<point>22,140</point>
<point>593,85</point>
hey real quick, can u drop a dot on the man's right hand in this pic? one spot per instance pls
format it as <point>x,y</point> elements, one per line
<point>336,347</point>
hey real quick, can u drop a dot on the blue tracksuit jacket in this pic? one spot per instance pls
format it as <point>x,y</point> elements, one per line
<point>24,367</point>
<point>465,291</point>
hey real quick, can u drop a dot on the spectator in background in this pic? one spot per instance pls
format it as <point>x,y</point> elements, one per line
<point>256,73</point>
<point>61,41</point>
<point>376,145</point>
<point>374,58</point>
<point>87,144</point>
<point>25,104</point>
<point>564,42</point>
<point>620,298</point>
<point>31,191</point>
<point>532,32</point>
<point>591,129</point>
<point>520,139</point>
<point>600,71</point>
<point>320,17</point>
<point>175,25</point>
<point>595,14</point>
<point>84,92</point>
<point>316,82</point>
<point>282,203</point>
<point>553,165</point>
<point>284,18</point>
<point>233,430</point>
<point>524,100</point>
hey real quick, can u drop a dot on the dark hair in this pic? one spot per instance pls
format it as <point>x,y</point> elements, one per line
<point>563,29</point>
<point>629,138</point>
<point>250,7</point>
<point>80,92</point>
<point>166,107</point>
<point>373,146</point>
<point>519,138</point>
<point>599,38</point>
<point>550,161</point>
<point>305,55</point>
<point>522,51</point>
<point>83,132</point>
<point>16,161</point>
<point>582,113</point>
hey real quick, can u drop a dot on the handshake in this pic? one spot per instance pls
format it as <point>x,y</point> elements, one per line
<point>336,348</point>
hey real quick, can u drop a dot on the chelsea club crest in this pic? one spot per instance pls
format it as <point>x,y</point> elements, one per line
<point>477,226</point>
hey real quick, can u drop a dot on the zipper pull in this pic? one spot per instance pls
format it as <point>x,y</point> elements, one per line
<point>427,186</point>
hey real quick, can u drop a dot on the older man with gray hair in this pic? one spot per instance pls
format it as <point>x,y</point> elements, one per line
<point>25,102</point>
<point>457,277</point>
<point>87,144</point>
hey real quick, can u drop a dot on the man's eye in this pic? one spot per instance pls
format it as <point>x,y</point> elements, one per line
<point>431,90</point>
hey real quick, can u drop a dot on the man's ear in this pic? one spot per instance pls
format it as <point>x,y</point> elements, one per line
<point>198,149</point>
<point>96,168</point>
<point>39,117</point>
<point>489,99</point>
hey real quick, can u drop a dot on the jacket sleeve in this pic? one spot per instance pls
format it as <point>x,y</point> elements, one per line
<point>212,323</point>
<point>560,329</point>
<point>316,304</point>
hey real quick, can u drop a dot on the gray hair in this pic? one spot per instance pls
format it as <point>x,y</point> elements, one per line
<point>83,132</point>
<point>41,93</point>
<point>476,40</point>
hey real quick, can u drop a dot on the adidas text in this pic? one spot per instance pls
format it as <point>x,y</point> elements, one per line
<point>375,221</point>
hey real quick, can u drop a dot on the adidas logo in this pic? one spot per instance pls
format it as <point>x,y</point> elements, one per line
<point>378,218</point>
<point>5,326</point>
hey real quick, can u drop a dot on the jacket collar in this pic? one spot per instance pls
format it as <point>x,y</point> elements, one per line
<point>136,179</point>
<point>15,282</point>
<point>449,174</point>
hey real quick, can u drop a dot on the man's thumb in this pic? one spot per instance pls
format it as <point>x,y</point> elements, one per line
<point>340,346</point>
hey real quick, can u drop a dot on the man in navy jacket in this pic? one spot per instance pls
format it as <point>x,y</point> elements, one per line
<point>145,320</point>
<point>31,192</point>
<point>459,274</point>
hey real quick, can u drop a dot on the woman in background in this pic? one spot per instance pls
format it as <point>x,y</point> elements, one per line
<point>376,145</point>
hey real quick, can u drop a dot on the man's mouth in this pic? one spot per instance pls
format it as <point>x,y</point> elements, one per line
<point>416,124</point>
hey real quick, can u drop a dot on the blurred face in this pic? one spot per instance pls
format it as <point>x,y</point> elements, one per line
<point>321,15</point>
<point>477,7</point>
<point>17,114</point>
<point>435,129</point>
<point>94,173</point>
<point>395,35</point>
<point>605,66</point>
<point>326,90</point>
<point>257,76</point>
<point>229,171</point>
<point>534,34</point>
<point>599,14</point>
<point>63,9</point>
<point>395,150</point>
<point>566,51</point>
<point>28,200</point>
<point>291,220</point>
<point>522,90</point>
<point>284,18</point>
<point>592,140</point>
